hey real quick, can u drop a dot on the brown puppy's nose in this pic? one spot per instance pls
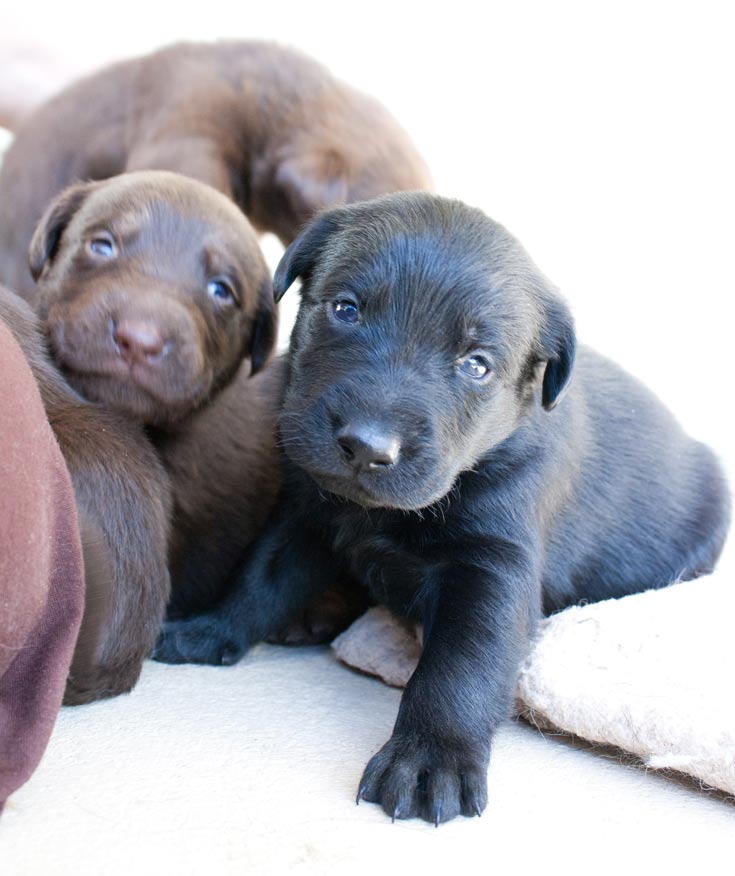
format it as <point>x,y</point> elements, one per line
<point>367,446</point>
<point>137,340</point>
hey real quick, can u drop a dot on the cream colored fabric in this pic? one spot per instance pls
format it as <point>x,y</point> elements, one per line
<point>252,770</point>
<point>379,644</point>
<point>642,673</point>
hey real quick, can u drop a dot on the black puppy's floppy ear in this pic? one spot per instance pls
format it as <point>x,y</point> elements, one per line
<point>264,330</point>
<point>47,236</point>
<point>301,256</point>
<point>559,345</point>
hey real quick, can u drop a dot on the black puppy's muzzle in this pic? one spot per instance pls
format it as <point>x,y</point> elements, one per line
<point>366,446</point>
<point>368,438</point>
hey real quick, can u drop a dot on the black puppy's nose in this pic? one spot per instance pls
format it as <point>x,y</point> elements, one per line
<point>138,340</point>
<point>368,446</point>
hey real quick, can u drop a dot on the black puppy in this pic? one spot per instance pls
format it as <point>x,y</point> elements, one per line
<point>426,458</point>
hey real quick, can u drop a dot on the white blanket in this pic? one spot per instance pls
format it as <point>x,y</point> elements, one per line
<point>650,673</point>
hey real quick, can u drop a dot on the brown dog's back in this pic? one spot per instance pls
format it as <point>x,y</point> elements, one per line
<point>267,126</point>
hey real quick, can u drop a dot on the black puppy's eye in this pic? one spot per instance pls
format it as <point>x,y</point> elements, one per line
<point>475,366</point>
<point>103,246</point>
<point>345,310</point>
<point>220,290</point>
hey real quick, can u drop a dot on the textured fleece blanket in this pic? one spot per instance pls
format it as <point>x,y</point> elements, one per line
<point>651,673</point>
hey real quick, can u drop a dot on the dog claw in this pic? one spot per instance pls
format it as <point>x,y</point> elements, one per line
<point>360,794</point>
<point>437,816</point>
<point>478,810</point>
<point>396,814</point>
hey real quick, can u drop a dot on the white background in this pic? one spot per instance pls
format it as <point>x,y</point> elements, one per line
<point>600,134</point>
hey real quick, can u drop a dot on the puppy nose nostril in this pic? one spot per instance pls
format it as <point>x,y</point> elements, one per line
<point>138,340</point>
<point>365,446</point>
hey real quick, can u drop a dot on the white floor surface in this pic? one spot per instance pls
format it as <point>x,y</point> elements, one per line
<point>253,770</point>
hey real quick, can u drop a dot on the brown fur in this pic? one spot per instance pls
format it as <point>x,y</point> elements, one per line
<point>265,125</point>
<point>225,475</point>
<point>325,617</point>
<point>223,464</point>
<point>171,236</point>
<point>122,494</point>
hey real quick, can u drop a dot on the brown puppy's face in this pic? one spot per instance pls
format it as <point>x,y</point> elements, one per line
<point>153,289</point>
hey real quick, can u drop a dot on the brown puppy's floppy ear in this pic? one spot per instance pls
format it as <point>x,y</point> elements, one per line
<point>313,181</point>
<point>559,344</point>
<point>265,329</point>
<point>46,237</point>
<point>301,255</point>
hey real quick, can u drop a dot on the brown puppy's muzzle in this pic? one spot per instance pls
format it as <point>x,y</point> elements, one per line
<point>139,341</point>
<point>140,353</point>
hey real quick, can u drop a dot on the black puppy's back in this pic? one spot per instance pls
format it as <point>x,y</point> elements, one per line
<point>645,504</point>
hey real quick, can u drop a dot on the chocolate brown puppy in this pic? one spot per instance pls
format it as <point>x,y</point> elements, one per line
<point>153,289</point>
<point>154,295</point>
<point>265,125</point>
<point>123,501</point>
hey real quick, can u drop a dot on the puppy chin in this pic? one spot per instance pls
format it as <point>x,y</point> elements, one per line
<point>394,492</point>
<point>356,493</point>
<point>134,400</point>
<point>420,477</point>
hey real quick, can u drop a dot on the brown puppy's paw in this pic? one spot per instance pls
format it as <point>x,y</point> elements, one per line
<point>325,618</point>
<point>423,778</point>
<point>99,683</point>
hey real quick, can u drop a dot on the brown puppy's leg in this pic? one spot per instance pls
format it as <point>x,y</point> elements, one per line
<point>326,617</point>
<point>120,486</point>
<point>99,578</point>
<point>122,495</point>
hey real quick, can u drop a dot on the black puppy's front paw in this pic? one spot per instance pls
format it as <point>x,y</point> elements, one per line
<point>419,777</point>
<point>200,639</point>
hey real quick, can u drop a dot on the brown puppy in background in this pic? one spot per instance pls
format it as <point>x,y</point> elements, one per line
<point>123,502</point>
<point>154,296</point>
<point>267,126</point>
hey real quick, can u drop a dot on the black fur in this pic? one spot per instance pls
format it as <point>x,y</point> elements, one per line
<point>492,506</point>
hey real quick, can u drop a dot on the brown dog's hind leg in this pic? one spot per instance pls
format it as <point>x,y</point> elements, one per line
<point>326,617</point>
<point>124,506</point>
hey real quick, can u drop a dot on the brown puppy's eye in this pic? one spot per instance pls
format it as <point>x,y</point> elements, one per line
<point>221,291</point>
<point>475,367</point>
<point>102,246</point>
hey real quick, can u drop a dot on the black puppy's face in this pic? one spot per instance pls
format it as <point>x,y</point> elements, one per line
<point>153,289</point>
<point>424,336</point>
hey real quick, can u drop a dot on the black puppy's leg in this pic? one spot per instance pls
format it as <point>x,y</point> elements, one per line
<point>288,566</point>
<point>477,629</point>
